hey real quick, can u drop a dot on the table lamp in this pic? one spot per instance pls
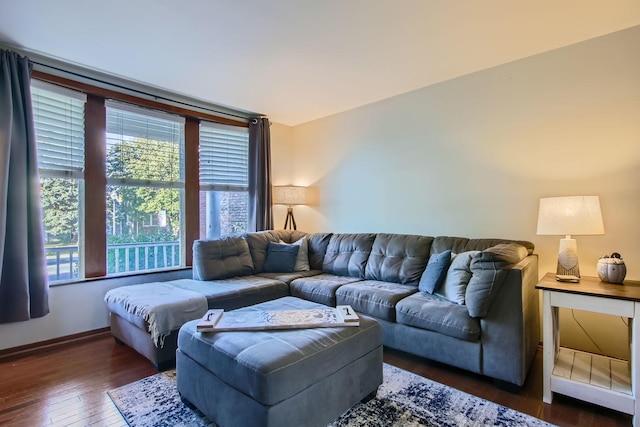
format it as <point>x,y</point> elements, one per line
<point>289,195</point>
<point>570,215</point>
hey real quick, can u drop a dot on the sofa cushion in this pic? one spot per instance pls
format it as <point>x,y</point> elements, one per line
<point>288,236</point>
<point>462,244</point>
<point>435,273</point>
<point>258,244</point>
<point>227,294</point>
<point>398,258</point>
<point>347,254</point>
<point>235,292</point>
<point>281,258</point>
<point>457,279</point>
<point>302,260</point>
<point>318,243</point>
<point>489,269</point>
<point>437,314</point>
<point>321,288</point>
<point>289,277</point>
<point>221,258</point>
<point>377,299</point>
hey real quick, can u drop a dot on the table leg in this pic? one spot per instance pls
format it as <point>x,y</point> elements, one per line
<point>550,343</point>
<point>633,363</point>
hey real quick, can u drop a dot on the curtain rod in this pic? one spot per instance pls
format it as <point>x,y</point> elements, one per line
<point>140,92</point>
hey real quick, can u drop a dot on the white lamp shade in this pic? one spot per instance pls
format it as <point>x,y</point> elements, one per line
<point>571,215</point>
<point>289,195</point>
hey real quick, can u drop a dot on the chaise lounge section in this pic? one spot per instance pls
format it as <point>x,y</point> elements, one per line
<point>482,316</point>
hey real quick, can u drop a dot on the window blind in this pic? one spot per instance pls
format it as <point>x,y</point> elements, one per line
<point>144,147</point>
<point>58,115</point>
<point>224,157</point>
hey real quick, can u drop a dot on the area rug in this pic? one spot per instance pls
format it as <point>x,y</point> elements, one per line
<point>404,399</point>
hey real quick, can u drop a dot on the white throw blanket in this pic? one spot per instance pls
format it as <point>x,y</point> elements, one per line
<point>163,306</point>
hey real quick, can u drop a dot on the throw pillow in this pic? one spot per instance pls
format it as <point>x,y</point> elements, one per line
<point>458,276</point>
<point>302,260</point>
<point>281,258</point>
<point>435,272</point>
<point>489,270</point>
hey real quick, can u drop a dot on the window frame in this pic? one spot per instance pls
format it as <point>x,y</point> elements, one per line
<point>126,121</point>
<point>65,161</point>
<point>95,176</point>
<point>223,142</point>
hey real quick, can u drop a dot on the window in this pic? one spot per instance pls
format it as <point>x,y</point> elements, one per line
<point>145,188</point>
<point>59,124</point>
<point>224,180</point>
<point>119,190</point>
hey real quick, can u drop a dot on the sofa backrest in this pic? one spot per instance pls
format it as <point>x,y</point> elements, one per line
<point>317,244</point>
<point>347,254</point>
<point>462,244</point>
<point>221,258</point>
<point>398,258</point>
<point>259,242</point>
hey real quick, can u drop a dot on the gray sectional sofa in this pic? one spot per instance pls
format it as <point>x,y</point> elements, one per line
<point>483,317</point>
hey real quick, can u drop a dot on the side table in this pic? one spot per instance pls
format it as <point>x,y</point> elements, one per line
<point>601,380</point>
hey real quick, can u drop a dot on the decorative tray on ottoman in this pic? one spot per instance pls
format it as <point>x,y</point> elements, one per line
<point>217,320</point>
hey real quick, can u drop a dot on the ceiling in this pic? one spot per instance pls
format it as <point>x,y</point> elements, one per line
<point>299,60</point>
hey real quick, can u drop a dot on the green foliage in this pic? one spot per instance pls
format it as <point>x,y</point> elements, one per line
<point>60,210</point>
<point>157,235</point>
<point>129,208</point>
<point>132,206</point>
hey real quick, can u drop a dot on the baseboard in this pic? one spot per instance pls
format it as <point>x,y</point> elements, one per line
<point>30,349</point>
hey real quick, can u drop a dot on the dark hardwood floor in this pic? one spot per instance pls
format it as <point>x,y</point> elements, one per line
<point>67,387</point>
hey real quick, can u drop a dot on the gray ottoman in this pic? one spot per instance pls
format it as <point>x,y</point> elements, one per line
<point>304,377</point>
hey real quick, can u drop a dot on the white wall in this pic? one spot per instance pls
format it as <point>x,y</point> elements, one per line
<point>472,156</point>
<point>281,166</point>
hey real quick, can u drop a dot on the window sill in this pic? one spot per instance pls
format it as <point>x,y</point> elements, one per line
<point>118,276</point>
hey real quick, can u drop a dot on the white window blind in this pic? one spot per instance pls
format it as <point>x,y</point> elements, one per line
<point>224,157</point>
<point>58,115</point>
<point>144,147</point>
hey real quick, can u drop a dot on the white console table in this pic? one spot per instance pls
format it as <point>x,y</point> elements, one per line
<point>597,379</point>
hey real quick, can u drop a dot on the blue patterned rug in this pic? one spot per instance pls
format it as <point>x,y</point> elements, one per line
<point>404,399</point>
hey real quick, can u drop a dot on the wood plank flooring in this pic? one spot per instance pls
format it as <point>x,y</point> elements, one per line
<point>67,387</point>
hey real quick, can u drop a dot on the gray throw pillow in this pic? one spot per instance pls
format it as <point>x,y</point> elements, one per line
<point>458,276</point>
<point>489,270</point>
<point>302,260</point>
<point>281,258</point>
<point>435,272</point>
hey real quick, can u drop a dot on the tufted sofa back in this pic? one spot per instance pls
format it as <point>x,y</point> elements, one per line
<point>398,258</point>
<point>318,243</point>
<point>221,258</point>
<point>259,242</point>
<point>347,254</point>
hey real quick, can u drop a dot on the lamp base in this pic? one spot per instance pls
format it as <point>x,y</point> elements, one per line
<point>568,268</point>
<point>290,221</point>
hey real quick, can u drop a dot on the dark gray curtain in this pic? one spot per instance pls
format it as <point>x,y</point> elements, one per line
<point>260,212</point>
<point>24,292</point>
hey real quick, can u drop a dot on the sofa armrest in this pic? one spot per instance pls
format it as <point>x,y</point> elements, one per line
<point>510,330</point>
